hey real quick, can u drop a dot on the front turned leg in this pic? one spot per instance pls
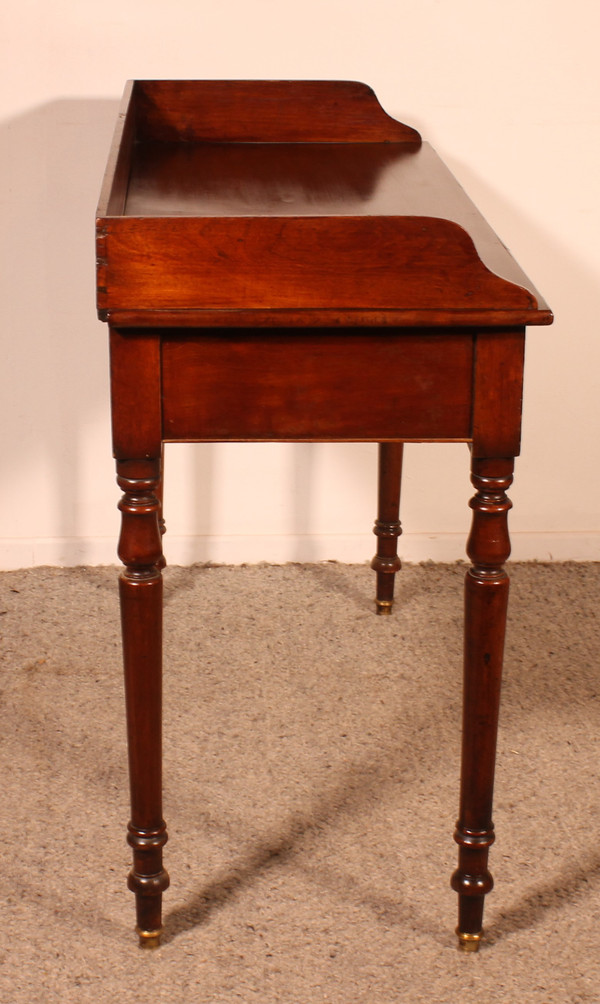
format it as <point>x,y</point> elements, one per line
<point>486,600</point>
<point>387,525</point>
<point>141,618</point>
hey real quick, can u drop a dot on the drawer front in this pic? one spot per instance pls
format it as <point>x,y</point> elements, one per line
<point>315,385</point>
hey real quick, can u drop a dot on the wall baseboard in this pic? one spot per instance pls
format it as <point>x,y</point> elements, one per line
<point>273,549</point>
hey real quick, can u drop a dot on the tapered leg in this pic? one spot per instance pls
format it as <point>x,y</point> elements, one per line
<point>486,599</point>
<point>141,616</point>
<point>387,525</point>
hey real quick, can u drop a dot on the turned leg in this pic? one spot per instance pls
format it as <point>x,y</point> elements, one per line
<point>387,525</point>
<point>486,599</point>
<point>141,617</point>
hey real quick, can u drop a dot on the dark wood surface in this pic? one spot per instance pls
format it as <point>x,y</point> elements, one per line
<point>263,111</point>
<point>283,261</point>
<point>196,221</point>
<point>387,526</point>
<point>321,384</point>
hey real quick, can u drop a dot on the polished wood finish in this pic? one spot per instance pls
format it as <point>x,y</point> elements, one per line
<point>204,224</point>
<point>141,609</point>
<point>284,261</point>
<point>262,111</point>
<point>345,386</point>
<point>387,525</point>
<point>486,603</point>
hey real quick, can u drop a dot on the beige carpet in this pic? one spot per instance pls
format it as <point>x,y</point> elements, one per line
<point>311,756</point>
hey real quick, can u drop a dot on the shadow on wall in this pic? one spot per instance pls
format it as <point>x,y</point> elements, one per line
<point>59,493</point>
<point>54,373</point>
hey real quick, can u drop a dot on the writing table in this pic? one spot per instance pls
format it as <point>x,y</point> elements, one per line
<point>284,261</point>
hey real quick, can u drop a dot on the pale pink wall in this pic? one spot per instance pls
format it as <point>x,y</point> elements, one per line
<point>510,95</point>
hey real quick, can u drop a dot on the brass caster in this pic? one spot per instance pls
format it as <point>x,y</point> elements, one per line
<point>384,606</point>
<point>149,939</point>
<point>468,942</point>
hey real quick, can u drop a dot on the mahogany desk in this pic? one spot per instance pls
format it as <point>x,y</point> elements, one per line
<point>284,261</point>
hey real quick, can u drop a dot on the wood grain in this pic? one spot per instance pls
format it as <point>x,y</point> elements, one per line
<point>264,111</point>
<point>317,386</point>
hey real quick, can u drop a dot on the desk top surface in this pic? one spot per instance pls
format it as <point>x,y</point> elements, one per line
<point>216,182</point>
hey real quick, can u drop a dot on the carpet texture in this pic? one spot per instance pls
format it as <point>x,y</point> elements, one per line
<point>311,788</point>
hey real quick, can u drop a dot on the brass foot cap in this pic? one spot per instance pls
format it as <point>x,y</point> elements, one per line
<point>468,942</point>
<point>149,939</point>
<point>384,606</point>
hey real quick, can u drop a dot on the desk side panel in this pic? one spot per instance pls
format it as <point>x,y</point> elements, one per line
<point>113,194</point>
<point>114,184</point>
<point>407,263</point>
<point>264,111</point>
